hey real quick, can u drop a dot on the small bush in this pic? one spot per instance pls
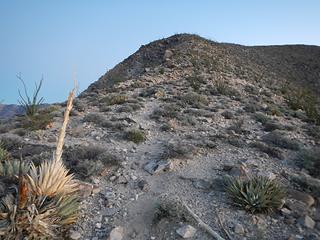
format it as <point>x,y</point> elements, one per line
<point>38,121</point>
<point>94,118</point>
<point>262,118</point>
<point>166,111</point>
<point>274,110</point>
<point>271,151</point>
<point>195,81</point>
<point>114,100</point>
<point>86,161</point>
<point>135,136</point>
<point>278,139</point>
<point>304,99</point>
<point>310,160</point>
<point>256,195</point>
<point>227,114</point>
<point>195,99</point>
<point>177,150</point>
<point>314,131</point>
<point>222,88</point>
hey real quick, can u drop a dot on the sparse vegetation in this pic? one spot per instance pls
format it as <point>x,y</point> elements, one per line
<point>278,139</point>
<point>256,195</point>
<point>304,99</point>
<point>177,150</point>
<point>135,135</point>
<point>114,100</point>
<point>271,151</point>
<point>166,111</point>
<point>309,159</point>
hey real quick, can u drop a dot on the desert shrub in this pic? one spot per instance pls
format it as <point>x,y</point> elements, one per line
<point>161,70</point>
<point>39,121</point>
<point>194,99</point>
<point>309,159</point>
<point>274,110</point>
<point>129,107</point>
<point>271,151</point>
<point>314,131</point>
<point>261,117</point>
<point>114,100</point>
<point>86,161</point>
<point>256,195</point>
<point>177,150</point>
<point>278,139</point>
<point>166,111</point>
<point>270,126</point>
<point>195,81</point>
<point>251,107</point>
<point>227,114</point>
<point>304,99</point>
<point>238,127</point>
<point>135,135</point>
<point>222,88</point>
<point>94,118</point>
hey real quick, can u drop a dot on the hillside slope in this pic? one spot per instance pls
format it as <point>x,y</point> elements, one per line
<point>166,126</point>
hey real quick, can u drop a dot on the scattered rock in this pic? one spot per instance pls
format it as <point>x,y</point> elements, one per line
<point>109,212</point>
<point>186,231</point>
<point>74,235</point>
<point>302,196</point>
<point>297,207</point>
<point>239,229</point>
<point>116,233</point>
<point>307,222</point>
<point>167,54</point>
<point>154,167</point>
<point>201,184</point>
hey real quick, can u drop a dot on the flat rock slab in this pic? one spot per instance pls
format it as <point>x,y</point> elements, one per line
<point>154,167</point>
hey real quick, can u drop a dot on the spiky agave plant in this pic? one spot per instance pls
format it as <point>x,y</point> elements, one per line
<point>43,201</point>
<point>256,195</point>
<point>3,152</point>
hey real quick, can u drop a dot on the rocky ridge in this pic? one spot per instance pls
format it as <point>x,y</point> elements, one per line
<point>173,120</point>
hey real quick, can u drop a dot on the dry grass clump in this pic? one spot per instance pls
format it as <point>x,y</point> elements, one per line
<point>43,202</point>
<point>278,139</point>
<point>256,195</point>
<point>135,135</point>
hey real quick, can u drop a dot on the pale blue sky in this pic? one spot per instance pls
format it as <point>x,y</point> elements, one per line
<point>58,37</point>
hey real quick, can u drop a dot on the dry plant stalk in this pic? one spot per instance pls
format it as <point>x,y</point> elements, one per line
<point>66,118</point>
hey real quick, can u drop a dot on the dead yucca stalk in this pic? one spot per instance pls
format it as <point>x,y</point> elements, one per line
<point>45,200</point>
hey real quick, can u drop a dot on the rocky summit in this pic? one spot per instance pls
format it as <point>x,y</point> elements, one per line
<point>191,138</point>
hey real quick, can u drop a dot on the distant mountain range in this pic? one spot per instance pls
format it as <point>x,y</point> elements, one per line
<point>10,110</point>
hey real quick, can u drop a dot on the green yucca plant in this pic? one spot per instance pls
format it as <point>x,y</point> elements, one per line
<point>32,104</point>
<point>256,195</point>
<point>44,201</point>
